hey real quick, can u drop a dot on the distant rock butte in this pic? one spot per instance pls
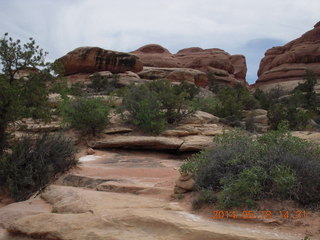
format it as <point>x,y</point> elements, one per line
<point>94,59</point>
<point>225,68</point>
<point>286,65</point>
<point>190,64</point>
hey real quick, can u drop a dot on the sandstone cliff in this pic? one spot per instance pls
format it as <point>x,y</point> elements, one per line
<point>286,65</point>
<point>94,59</point>
<point>225,68</point>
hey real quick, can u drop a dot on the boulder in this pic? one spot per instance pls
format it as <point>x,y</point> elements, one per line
<point>90,151</point>
<point>200,117</point>
<point>224,68</point>
<point>138,142</point>
<point>185,176</point>
<point>127,78</point>
<point>286,65</point>
<point>179,190</point>
<point>94,59</point>
<point>196,143</point>
<point>187,184</point>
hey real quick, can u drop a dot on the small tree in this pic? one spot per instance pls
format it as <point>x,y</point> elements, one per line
<point>21,96</point>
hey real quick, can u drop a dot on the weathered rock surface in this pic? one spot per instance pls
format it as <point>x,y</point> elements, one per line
<point>258,118</point>
<point>225,68</point>
<point>128,187</point>
<point>115,130</point>
<point>12,212</point>
<point>200,117</point>
<point>105,215</point>
<point>187,184</point>
<point>175,75</point>
<point>138,142</point>
<point>196,143</point>
<point>306,135</point>
<point>94,59</point>
<point>194,136</point>
<point>287,65</point>
<point>184,183</point>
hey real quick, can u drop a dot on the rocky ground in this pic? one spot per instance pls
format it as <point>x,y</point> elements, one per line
<point>122,194</point>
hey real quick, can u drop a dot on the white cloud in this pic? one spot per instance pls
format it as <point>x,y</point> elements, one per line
<point>60,26</point>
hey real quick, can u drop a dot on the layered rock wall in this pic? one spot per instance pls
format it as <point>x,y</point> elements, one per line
<point>286,65</point>
<point>225,68</point>
<point>94,59</point>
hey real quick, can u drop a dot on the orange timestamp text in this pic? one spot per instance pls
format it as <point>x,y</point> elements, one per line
<point>252,214</point>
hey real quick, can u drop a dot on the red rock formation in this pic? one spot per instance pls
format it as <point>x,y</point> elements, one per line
<point>224,67</point>
<point>287,65</point>
<point>94,59</point>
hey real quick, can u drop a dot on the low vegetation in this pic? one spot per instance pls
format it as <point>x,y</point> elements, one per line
<point>88,115</point>
<point>102,84</point>
<point>244,169</point>
<point>297,107</point>
<point>155,104</point>
<point>34,163</point>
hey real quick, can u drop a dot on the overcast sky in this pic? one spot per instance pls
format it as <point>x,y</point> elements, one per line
<point>247,27</point>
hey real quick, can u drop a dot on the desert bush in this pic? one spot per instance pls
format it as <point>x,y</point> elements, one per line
<point>144,108</point>
<point>77,89</point>
<point>103,84</point>
<point>297,118</point>
<point>243,169</point>
<point>174,99</point>
<point>34,163</point>
<point>208,104</point>
<point>267,99</point>
<point>232,101</point>
<point>158,103</point>
<point>88,115</point>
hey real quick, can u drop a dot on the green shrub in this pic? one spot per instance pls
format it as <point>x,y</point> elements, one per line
<point>244,169</point>
<point>88,115</point>
<point>208,104</point>
<point>33,164</point>
<point>267,99</point>
<point>144,108</point>
<point>174,99</point>
<point>155,104</point>
<point>77,89</point>
<point>297,118</point>
<point>205,196</point>
<point>103,84</point>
